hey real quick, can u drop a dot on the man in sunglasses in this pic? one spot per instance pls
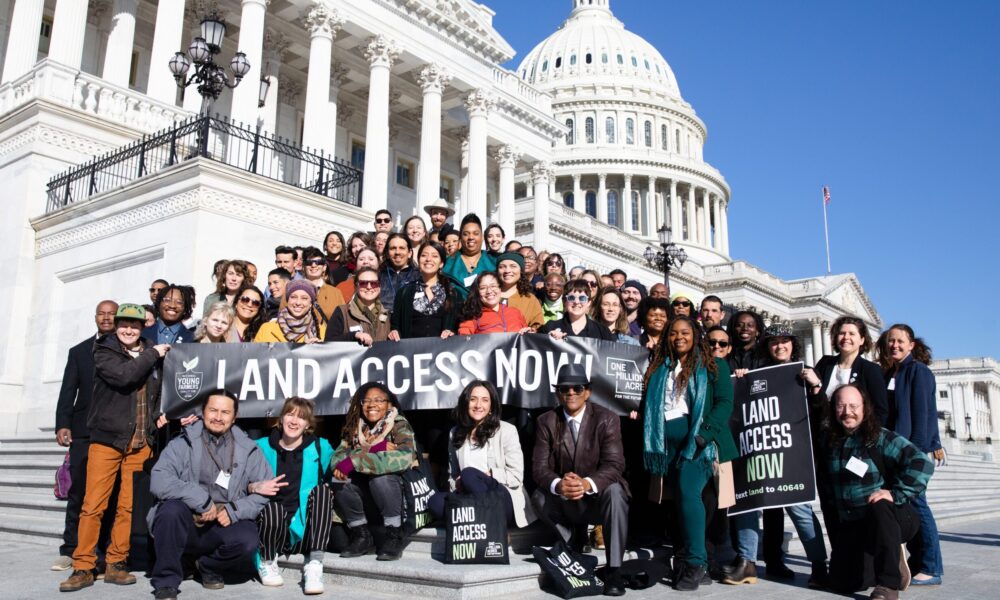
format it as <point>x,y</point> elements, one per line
<point>578,464</point>
<point>383,221</point>
<point>681,306</point>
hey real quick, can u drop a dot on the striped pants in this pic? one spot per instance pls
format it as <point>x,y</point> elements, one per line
<point>273,522</point>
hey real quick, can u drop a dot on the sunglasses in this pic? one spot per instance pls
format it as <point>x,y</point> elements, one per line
<point>155,289</point>
<point>576,388</point>
<point>592,284</point>
<point>369,285</point>
<point>315,262</point>
<point>581,298</point>
<point>719,343</point>
<point>553,262</point>
<point>385,220</point>
<point>248,300</point>
<point>683,303</point>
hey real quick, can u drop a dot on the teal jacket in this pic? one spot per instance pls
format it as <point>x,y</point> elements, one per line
<point>313,463</point>
<point>455,268</point>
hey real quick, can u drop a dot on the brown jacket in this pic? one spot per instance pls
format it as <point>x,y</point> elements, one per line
<point>599,453</point>
<point>348,316</point>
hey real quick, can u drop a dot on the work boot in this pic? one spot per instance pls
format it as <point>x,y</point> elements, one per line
<point>209,579</point>
<point>118,574</point>
<point>883,593</point>
<point>392,548</point>
<point>361,542</point>
<point>778,570</point>
<point>817,579</point>
<point>740,571</point>
<point>77,581</point>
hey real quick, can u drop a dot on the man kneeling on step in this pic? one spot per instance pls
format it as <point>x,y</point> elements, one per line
<point>204,509</point>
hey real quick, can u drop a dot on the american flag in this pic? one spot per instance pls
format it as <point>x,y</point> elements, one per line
<point>826,194</point>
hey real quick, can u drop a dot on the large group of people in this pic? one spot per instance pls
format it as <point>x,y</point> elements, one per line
<point>229,498</point>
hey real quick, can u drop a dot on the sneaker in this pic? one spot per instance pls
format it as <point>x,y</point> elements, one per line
<point>209,580</point>
<point>118,574</point>
<point>883,593</point>
<point>904,569</point>
<point>392,548</point>
<point>77,581</point>
<point>740,572</point>
<point>312,577</point>
<point>926,580</point>
<point>165,593</point>
<point>62,563</point>
<point>361,542</point>
<point>269,573</point>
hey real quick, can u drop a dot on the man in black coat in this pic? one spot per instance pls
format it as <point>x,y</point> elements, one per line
<point>71,427</point>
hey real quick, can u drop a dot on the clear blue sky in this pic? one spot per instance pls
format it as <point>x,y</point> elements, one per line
<point>894,105</point>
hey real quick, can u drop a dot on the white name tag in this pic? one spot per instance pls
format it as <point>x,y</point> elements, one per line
<point>356,328</point>
<point>858,467</point>
<point>222,480</point>
<point>418,295</point>
<point>469,280</point>
<point>892,384</point>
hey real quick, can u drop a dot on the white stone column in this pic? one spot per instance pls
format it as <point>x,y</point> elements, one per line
<point>506,157</point>
<point>319,129</point>
<point>381,53</point>
<point>244,108</point>
<point>676,214</point>
<point>579,202</point>
<point>540,175</point>
<point>827,344</point>
<point>692,221</point>
<point>22,41</point>
<point>627,204</point>
<point>69,25</point>
<point>552,186</point>
<point>717,240</point>
<point>706,218</point>
<point>724,212</point>
<point>462,207</point>
<point>602,198</point>
<point>118,56</point>
<point>992,398</point>
<point>478,105</point>
<point>817,340</point>
<point>167,39</point>
<point>969,404</point>
<point>433,79</point>
<point>650,218</point>
<point>807,355</point>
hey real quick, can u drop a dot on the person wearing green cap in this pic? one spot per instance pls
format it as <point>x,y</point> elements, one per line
<point>124,414</point>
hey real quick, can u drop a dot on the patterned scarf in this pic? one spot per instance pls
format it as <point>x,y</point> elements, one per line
<point>368,436</point>
<point>654,447</point>
<point>430,307</point>
<point>297,329</point>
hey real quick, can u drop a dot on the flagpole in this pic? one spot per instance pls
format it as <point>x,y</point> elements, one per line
<point>826,230</point>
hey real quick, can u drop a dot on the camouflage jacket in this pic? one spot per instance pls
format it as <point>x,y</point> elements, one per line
<point>381,463</point>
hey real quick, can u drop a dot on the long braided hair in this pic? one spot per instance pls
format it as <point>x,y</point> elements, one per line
<point>700,352</point>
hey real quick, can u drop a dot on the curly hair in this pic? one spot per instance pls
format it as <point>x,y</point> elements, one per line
<point>350,429</point>
<point>258,319</point>
<point>473,307</point>
<point>465,427</point>
<point>700,354</point>
<point>866,336</point>
<point>187,295</point>
<point>921,351</point>
<point>764,350</point>
<point>733,320</point>
<point>870,428</point>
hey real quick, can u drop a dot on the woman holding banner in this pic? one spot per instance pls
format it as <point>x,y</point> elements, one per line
<point>427,307</point>
<point>484,454</point>
<point>686,410</point>
<point>911,387</point>
<point>363,319</point>
<point>484,313</point>
<point>376,447</point>
<point>779,346</point>
<point>299,321</point>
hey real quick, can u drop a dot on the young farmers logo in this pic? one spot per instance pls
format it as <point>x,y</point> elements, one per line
<point>188,382</point>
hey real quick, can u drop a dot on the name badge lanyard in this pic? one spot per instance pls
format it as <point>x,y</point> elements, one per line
<point>232,457</point>
<point>503,319</point>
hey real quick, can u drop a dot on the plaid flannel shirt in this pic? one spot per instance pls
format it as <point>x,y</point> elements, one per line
<point>908,470</point>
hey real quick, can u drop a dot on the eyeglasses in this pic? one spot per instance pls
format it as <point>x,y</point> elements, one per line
<point>172,302</point>
<point>581,298</point>
<point>592,284</point>
<point>248,300</point>
<point>369,284</point>
<point>719,343</point>
<point>489,288</point>
<point>576,388</point>
<point>374,401</point>
<point>385,220</point>
<point>315,262</point>
<point>682,303</point>
<point>530,257</point>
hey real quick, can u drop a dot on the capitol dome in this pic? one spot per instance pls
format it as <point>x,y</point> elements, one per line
<point>633,154</point>
<point>593,43</point>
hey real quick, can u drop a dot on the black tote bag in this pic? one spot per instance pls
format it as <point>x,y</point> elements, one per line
<point>568,574</point>
<point>476,529</point>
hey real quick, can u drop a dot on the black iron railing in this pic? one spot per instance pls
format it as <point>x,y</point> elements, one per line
<point>216,139</point>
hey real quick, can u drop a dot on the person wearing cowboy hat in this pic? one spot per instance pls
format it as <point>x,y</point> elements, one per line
<point>439,212</point>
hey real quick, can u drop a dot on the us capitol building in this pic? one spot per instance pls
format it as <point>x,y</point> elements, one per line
<point>112,179</point>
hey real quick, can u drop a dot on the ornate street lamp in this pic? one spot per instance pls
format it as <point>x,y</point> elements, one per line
<point>210,77</point>
<point>670,256</point>
<point>968,427</point>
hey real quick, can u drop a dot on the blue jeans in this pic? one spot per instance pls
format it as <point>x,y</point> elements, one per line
<point>802,517</point>
<point>747,534</point>
<point>925,548</point>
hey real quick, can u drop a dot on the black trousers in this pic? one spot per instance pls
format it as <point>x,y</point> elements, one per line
<point>273,522</point>
<point>78,451</point>
<point>867,551</point>
<point>608,508</point>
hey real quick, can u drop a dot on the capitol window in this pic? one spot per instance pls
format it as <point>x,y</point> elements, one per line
<point>569,132</point>
<point>647,64</point>
<point>635,63</point>
<point>568,199</point>
<point>589,59</point>
<point>604,58</point>
<point>663,136</point>
<point>545,65</point>
<point>613,208</point>
<point>591,203</point>
<point>558,61</point>
<point>629,131</point>
<point>572,60</point>
<point>647,134</point>
<point>635,211</point>
<point>677,141</point>
<point>357,155</point>
<point>588,129</point>
<point>609,130</point>
<point>404,173</point>
<point>621,60</point>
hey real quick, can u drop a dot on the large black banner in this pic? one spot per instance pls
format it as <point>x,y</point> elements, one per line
<point>771,425</point>
<point>424,373</point>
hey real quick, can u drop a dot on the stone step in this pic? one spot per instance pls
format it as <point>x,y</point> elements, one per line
<point>32,501</point>
<point>36,524</point>
<point>32,450</point>
<point>38,439</point>
<point>25,481</point>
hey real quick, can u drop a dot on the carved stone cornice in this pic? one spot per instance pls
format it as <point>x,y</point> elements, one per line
<point>479,103</point>
<point>380,51</point>
<point>344,113</point>
<point>540,173</point>
<point>338,74</point>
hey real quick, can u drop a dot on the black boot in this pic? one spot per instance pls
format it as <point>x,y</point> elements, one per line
<point>691,579</point>
<point>392,548</point>
<point>361,542</point>
<point>817,579</point>
<point>776,569</point>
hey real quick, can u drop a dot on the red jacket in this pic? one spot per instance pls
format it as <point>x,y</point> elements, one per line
<point>506,319</point>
